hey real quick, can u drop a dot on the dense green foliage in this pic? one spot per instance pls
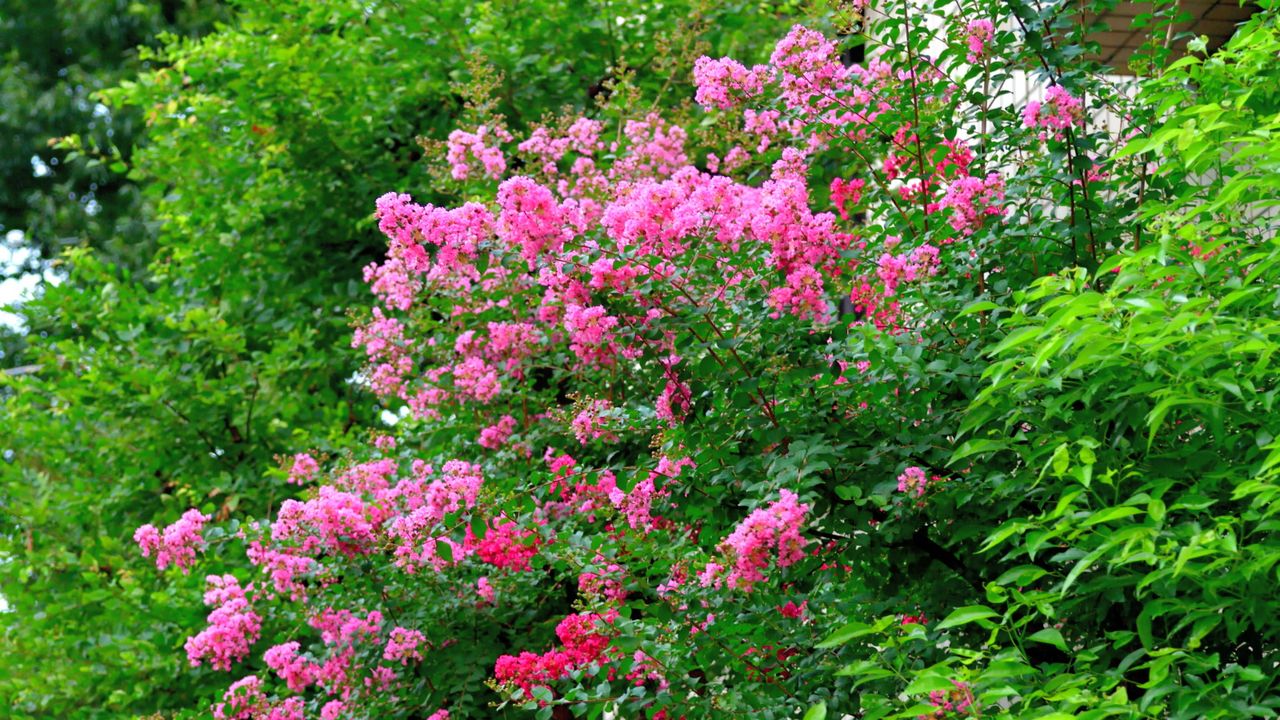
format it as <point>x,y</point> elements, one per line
<point>176,381</point>
<point>1083,378</point>
<point>1118,512</point>
<point>57,55</point>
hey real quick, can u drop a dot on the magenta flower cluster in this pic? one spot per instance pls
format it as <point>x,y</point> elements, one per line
<point>179,542</point>
<point>1054,117</point>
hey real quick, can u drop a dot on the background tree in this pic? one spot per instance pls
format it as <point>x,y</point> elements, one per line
<point>57,55</point>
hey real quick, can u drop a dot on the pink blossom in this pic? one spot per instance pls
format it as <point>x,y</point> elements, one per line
<point>791,610</point>
<point>803,296</point>
<point>283,565</point>
<point>1058,113</point>
<point>846,194</point>
<point>725,82</point>
<point>485,591</point>
<point>605,585</point>
<point>425,505</point>
<point>913,481</point>
<point>403,645</point>
<point>462,144</point>
<point>332,710</point>
<point>585,639</point>
<point>657,149</point>
<point>179,542</point>
<point>977,34</point>
<point>297,672</point>
<point>768,536</point>
<point>808,70</point>
<point>958,700</point>
<point>594,422</point>
<point>288,709</point>
<point>530,219</point>
<point>763,123</point>
<point>496,435</point>
<point>476,379</point>
<point>972,199</point>
<point>506,545</point>
<point>338,521</point>
<point>233,626</point>
<point>303,469</point>
<point>242,701</point>
<point>393,283</point>
<point>591,332</point>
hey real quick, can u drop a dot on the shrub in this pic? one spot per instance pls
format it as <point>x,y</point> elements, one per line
<point>829,403</point>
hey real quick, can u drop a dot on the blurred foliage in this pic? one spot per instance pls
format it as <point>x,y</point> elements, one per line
<point>56,56</point>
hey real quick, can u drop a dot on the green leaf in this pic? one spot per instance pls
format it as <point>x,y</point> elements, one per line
<point>1109,514</point>
<point>817,712</point>
<point>976,447</point>
<point>444,550</point>
<point>845,634</point>
<point>966,615</point>
<point>977,307</point>
<point>1050,636</point>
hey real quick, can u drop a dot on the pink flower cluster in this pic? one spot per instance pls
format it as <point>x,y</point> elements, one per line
<point>604,585</point>
<point>595,422</point>
<point>977,34</point>
<point>335,520</point>
<point>582,137</point>
<point>496,435</point>
<point>244,700</point>
<point>585,639</point>
<point>846,194</point>
<point>179,542</point>
<point>636,506</point>
<point>1057,114</point>
<point>591,333</point>
<point>972,199</point>
<point>303,469</point>
<point>404,645</point>
<point>465,147</point>
<point>233,625</point>
<point>954,703</point>
<point>725,83</point>
<point>769,536</point>
<point>505,545</point>
<point>918,619</point>
<point>424,506</point>
<point>917,265</point>
<point>674,401</point>
<point>914,481</point>
<point>296,671</point>
<point>343,632</point>
<point>808,69</point>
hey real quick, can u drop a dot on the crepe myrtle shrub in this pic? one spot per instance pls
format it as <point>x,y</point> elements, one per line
<point>682,412</point>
